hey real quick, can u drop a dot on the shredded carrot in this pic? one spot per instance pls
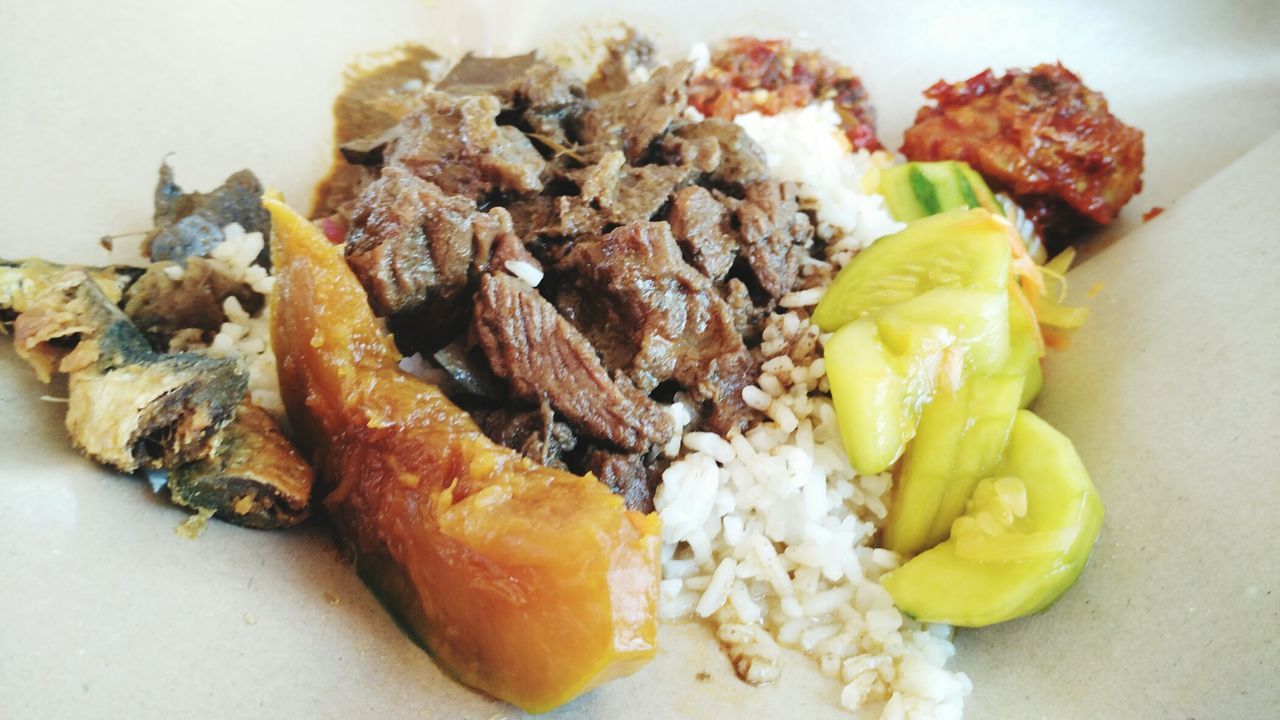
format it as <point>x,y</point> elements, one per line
<point>1056,339</point>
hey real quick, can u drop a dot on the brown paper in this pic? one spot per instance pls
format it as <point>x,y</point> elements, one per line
<point>1171,392</point>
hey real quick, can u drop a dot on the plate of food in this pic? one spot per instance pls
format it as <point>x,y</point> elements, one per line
<point>421,360</point>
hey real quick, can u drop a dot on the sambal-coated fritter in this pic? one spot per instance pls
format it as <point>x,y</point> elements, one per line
<point>1039,134</point>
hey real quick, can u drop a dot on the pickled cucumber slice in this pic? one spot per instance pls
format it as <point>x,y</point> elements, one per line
<point>918,189</point>
<point>1025,349</point>
<point>961,248</point>
<point>1024,539</point>
<point>884,370</point>
<point>869,390</point>
<point>960,439</point>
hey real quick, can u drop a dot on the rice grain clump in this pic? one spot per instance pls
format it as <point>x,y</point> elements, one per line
<point>769,533</point>
<point>246,336</point>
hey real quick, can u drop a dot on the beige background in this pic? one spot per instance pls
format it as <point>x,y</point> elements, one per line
<point>1172,392</point>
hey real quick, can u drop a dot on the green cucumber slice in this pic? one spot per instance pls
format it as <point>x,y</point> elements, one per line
<point>1028,561</point>
<point>961,248</point>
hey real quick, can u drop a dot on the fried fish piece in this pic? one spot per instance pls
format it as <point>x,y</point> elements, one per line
<point>132,408</point>
<point>129,406</point>
<point>253,476</point>
<point>22,280</point>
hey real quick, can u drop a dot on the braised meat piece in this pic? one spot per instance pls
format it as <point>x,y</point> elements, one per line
<point>542,356</point>
<point>718,147</point>
<point>129,406</point>
<point>626,474</point>
<point>656,318</point>
<point>410,241</point>
<point>535,433</point>
<point>372,101</point>
<point>455,142</point>
<point>769,76</point>
<point>511,249</point>
<point>160,304</point>
<point>614,193</point>
<point>189,224</point>
<point>702,227</point>
<point>773,235</point>
<point>631,119</point>
<point>540,94</point>
<point>1039,134</point>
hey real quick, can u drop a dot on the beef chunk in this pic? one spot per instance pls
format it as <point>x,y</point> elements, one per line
<point>773,236</point>
<point>626,474</point>
<point>540,94</point>
<point>656,318</point>
<point>455,142</point>
<point>160,306</point>
<point>520,81</point>
<point>532,215</point>
<point>614,193</point>
<point>510,248</point>
<point>469,370</point>
<point>748,319</point>
<point>542,356</point>
<point>721,148</point>
<point>701,226</point>
<point>632,118</point>
<point>410,242</point>
<point>535,432</point>
<point>190,224</point>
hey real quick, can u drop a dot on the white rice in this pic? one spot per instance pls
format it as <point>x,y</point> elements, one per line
<point>769,534</point>
<point>807,146</point>
<point>245,336</point>
<point>525,271</point>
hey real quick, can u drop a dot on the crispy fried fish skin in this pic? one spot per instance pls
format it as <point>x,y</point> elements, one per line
<point>530,583</point>
<point>24,279</point>
<point>129,406</point>
<point>252,477</point>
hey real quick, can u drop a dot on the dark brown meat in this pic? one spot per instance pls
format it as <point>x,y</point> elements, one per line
<point>631,119</point>
<point>702,227</point>
<point>534,433</point>
<point>189,224</point>
<point>410,242</point>
<point>740,160</point>
<point>469,370</point>
<point>455,142</point>
<point>372,101</point>
<point>626,474</point>
<point>769,76</point>
<point>623,56</point>
<point>773,235</point>
<point>747,318</point>
<point>510,248</point>
<point>656,318</point>
<point>542,356</point>
<point>519,81</point>
<point>160,306</point>
<point>1039,134</point>
<point>540,94</point>
<point>614,193</point>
